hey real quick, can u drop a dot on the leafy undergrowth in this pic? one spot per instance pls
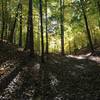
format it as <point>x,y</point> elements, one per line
<point>66,77</point>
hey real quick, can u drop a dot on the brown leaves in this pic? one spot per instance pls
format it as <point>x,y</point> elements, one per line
<point>2,71</point>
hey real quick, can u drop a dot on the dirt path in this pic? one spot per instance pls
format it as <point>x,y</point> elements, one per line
<point>74,77</point>
<point>63,77</point>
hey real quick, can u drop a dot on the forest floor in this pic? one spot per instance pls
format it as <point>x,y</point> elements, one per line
<point>69,77</point>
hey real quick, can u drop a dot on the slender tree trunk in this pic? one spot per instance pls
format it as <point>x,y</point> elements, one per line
<point>11,37</point>
<point>38,35</point>
<point>9,19</point>
<point>20,34</point>
<point>42,39</point>
<point>42,52</point>
<point>75,48</point>
<point>6,31</point>
<point>94,36</point>
<point>3,21</point>
<point>98,7</point>
<point>6,23</point>
<point>69,44</point>
<point>46,27</point>
<point>87,27</point>
<point>14,38</point>
<point>29,38</point>
<point>62,25</point>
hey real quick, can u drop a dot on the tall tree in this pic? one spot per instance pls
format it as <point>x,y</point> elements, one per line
<point>38,36</point>
<point>9,18</point>
<point>42,52</point>
<point>62,25</point>
<point>29,37</point>
<point>6,19</point>
<point>20,33</point>
<point>3,20</point>
<point>46,27</point>
<point>11,36</point>
<point>86,25</point>
<point>42,39</point>
<point>98,7</point>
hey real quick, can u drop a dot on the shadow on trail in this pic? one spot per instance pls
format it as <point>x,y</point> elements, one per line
<point>75,79</point>
<point>62,77</point>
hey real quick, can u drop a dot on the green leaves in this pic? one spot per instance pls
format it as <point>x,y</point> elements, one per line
<point>73,19</point>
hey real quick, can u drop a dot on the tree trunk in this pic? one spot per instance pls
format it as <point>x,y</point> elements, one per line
<point>75,47</point>
<point>6,14</point>
<point>29,37</point>
<point>42,53</point>
<point>62,25</point>
<point>3,21</point>
<point>9,19</point>
<point>69,44</point>
<point>6,31</point>
<point>42,39</point>
<point>98,7</point>
<point>20,34</point>
<point>87,27</point>
<point>46,27</point>
<point>38,35</point>
<point>11,37</point>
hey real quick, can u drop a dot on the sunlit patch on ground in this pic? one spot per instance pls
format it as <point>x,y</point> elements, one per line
<point>87,56</point>
<point>79,57</point>
<point>96,59</point>
<point>6,67</point>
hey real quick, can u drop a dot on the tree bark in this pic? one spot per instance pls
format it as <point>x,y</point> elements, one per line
<point>46,27</point>
<point>20,34</point>
<point>42,39</point>
<point>3,21</point>
<point>87,27</point>
<point>38,35</point>
<point>29,37</point>
<point>9,19</point>
<point>11,37</point>
<point>62,25</point>
<point>6,23</point>
<point>98,6</point>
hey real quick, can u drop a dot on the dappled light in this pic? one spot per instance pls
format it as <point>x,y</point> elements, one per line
<point>49,49</point>
<point>96,59</point>
<point>79,56</point>
<point>86,56</point>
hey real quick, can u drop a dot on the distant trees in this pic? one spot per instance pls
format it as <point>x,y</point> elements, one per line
<point>53,30</point>
<point>11,35</point>
<point>5,20</point>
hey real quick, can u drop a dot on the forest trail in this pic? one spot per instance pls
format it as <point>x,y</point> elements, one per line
<point>78,76</point>
<point>66,77</point>
<point>36,38</point>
